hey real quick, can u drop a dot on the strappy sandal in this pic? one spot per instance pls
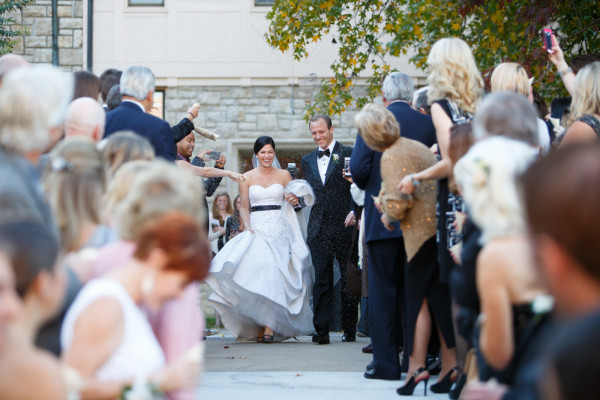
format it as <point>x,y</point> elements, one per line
<point>267,338</point>
<point>260,339</point>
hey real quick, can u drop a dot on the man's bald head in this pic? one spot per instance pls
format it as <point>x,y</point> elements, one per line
<point>85,117</point>
<point>8,62</point>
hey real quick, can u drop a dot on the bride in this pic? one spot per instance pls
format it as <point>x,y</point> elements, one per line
<point>261,279</point>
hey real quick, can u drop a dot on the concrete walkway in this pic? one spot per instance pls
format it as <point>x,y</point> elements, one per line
<point>294,369</point>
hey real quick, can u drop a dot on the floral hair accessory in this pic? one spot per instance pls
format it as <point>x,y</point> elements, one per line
<point>481,173</point>
<point>59,164</point>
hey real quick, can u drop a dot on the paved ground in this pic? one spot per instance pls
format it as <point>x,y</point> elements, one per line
<point>294,369</point>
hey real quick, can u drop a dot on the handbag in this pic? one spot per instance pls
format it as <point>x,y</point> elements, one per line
<point>353,273</point>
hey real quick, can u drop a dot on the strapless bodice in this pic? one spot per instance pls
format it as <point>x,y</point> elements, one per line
<point>271,195</point>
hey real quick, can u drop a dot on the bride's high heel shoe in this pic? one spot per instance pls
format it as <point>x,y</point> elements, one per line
<point>408,389</point>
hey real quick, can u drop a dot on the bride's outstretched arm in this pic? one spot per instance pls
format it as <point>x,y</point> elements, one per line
<point>244,188</point>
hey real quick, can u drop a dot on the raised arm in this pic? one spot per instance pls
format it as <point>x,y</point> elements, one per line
<point>209,172</point>
<point>564,71</point>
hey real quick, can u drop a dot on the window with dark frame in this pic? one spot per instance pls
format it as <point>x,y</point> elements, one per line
<point>145,2</point>
<point>158,105</point>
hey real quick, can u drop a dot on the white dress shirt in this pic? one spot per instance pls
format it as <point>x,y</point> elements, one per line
<point>323,162</point>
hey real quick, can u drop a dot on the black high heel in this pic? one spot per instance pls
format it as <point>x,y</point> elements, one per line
<point>445,384</point>
<point>454,393</point>
<point>408,389</point>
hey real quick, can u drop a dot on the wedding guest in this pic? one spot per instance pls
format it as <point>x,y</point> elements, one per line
<point>86,85</point>
<point>455,90</point>
<point>85,117</point>
<point>221,211</point>
<point>234,224</point>
<point>513,78</point>
<point>108,79</point>
<point>507,281</point>
<point>583,122</point>
<point>158,189</point>
<point>423,290</point>
<point>108,339</point>
<point>24,139</point>
<point>39,282</point>
<point>8,62</point>
<point>123,147</point>
<point>386,254</point>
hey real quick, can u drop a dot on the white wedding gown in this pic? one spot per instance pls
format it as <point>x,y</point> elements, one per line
<point>264,278</point>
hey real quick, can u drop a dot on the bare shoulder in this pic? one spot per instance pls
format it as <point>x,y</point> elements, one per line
<point>27,364</point>
<point>491,263</point>
<point>579,132</point>
<point>284,176</point>
<point>101,321</point>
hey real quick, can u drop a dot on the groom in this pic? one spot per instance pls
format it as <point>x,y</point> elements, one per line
<point>329,233</point>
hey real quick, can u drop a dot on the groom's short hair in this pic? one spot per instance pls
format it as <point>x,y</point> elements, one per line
<point>317,117</point>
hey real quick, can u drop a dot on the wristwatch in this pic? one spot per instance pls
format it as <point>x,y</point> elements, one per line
<point>564,72</point>
<point>414,181</point>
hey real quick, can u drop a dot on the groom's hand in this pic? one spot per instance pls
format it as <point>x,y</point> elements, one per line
<point>350,220</point>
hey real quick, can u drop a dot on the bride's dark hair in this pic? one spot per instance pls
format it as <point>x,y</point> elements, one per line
<point>262,142</point>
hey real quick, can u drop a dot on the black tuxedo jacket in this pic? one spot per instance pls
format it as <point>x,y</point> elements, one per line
<point>129,116</point>
<point>332,199</point>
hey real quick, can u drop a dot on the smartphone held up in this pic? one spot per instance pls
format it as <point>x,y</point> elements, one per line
<point>547,40</point>
<point>347,172</point>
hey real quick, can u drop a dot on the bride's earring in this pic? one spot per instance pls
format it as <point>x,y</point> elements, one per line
<point>147,284</point>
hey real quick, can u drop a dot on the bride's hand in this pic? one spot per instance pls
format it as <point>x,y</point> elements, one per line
<point>292,199</point>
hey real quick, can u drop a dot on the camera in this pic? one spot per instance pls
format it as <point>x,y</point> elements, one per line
<point>291,167</point>
<point>213,155</point>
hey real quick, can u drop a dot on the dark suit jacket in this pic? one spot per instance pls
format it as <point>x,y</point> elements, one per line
<point>365,165</point>
<point>129,116</point>
<point>332,199</point>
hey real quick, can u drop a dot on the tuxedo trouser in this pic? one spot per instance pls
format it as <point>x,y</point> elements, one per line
<point>387,260</point>
<point>323,249</point>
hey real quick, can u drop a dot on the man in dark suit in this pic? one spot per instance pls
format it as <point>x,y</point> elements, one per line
<point>329,234</point>
<point>386,248</point>
<point>137,90</point>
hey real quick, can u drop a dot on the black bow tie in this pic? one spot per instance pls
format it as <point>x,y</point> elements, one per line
<point>322,153</point>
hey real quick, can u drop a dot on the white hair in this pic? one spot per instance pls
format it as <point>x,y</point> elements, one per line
<point>507,114</point>
<point>83,116</point>
<point>32,102</point>
<point>398,86</point>
<point>137,82</point>
<point>487,176</point>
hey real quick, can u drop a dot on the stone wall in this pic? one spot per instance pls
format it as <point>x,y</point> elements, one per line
<point>248,112</point>
<point>36,45</point>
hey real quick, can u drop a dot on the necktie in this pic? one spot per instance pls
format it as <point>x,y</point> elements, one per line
<point>321,153</point>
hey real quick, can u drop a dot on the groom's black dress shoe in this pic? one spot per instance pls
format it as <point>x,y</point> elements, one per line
<point>349,338</point>
<point>370,366</point>
<point>371,374</point>
<point>320,338</point>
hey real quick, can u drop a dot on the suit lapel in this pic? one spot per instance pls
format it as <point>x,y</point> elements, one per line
<point>331,165</point>
<point>315,167</point>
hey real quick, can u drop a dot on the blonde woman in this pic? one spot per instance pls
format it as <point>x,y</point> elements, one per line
<point>511,77</point>
<point>74,182</point>
<point>507,279</point>
<point>583,122</point>
<point>456,88</point>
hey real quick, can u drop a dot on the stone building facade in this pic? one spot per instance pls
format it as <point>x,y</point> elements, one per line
<point>36,21</point>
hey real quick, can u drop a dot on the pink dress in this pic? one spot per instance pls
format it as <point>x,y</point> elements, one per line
<point>178,326</point>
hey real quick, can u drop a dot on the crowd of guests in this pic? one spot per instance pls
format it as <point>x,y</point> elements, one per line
<point>478,231</point>
<point>103,239</point>
<point>481,221</point>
